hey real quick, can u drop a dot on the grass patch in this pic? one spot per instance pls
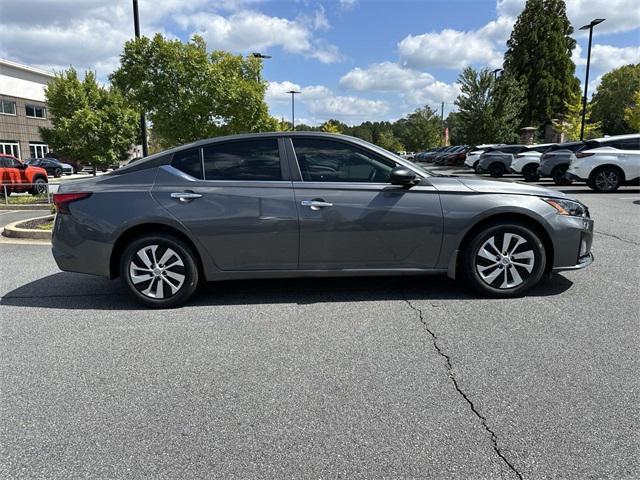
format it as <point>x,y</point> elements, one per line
<point>25,200</point>
<point>46,226</point>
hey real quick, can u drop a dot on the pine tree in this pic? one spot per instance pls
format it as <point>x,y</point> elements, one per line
<point>539,56</point>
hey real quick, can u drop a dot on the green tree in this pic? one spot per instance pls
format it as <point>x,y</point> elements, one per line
<point>333,126</point>
<point>388,141</point>
<point>190,94</point>
<point>571,123</point>
<point>615,93</point>
<point>420,130</point>
<point>539,57</point>
<point>91,124</point>
<point>488,109</point>
<point>632,113</point>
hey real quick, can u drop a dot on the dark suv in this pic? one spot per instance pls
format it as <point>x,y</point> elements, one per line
<point>555,161</point>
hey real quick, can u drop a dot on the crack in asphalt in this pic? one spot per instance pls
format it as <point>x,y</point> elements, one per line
<point>617,238</point>
<point>454,381</point>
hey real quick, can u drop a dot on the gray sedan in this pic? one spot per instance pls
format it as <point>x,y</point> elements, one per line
<point>299,204</point>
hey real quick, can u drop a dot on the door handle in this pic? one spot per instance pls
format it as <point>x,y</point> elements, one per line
<point>315,204</point>
<point>185,196</point>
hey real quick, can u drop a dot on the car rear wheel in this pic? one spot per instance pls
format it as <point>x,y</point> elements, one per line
<point>605,180</point>
<point>57,172</point>
<point>530,173</point>
<point>496,170</point>
<point>504,260</point>
<point>159,270</point>
<point>475,166</point>
<point>39,187</point>
<point>559,175</point>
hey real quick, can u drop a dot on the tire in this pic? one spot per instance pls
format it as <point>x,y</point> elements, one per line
<point>475,166</point>
<point>496,170</point>
<point>558,175</point>
<point>605,180</point>
<point>57,172</point>
<point>39,186</point>
<point>486,274</point>
<point>155,288</point>
<point>530,173</point>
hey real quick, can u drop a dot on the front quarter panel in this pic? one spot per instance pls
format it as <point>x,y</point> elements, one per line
<point>463,211</point>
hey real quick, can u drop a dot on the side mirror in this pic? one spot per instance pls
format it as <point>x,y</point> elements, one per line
<point>402,176</point>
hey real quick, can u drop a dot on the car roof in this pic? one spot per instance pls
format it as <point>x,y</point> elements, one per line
<point>618,137</point>
<point>250,136</point>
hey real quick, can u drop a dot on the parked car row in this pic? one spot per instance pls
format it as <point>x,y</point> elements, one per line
<point>54,167</point>
<point>604,164</point>
<point>449,156</point>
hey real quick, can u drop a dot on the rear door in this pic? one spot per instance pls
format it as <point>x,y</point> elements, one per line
<point>351,217</point>
<point>236,198</point>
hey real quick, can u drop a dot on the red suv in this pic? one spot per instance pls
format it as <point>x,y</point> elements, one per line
<point>16,176</point>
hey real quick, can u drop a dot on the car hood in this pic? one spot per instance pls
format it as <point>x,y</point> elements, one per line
<point>482,185</point>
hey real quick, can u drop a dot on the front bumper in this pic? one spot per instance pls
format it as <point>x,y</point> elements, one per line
<point>575,178</point>
<point>582,263</point>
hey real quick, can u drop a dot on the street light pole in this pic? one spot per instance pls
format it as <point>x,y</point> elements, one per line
<point>143,121</point>
<point>442,125</point>
<point>496,72</point>
<point>293,108</point>
<point>586,80</point>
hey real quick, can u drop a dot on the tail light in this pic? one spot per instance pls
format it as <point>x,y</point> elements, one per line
<point>583,154</point>
<point>62,200</point>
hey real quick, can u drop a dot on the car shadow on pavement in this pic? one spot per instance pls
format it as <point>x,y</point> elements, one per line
<point>71,291</point>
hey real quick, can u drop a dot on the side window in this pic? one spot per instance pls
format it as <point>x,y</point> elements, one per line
<point>243,160</point>
<point>632,144</point>
<point>188,161</point>
<point>324,160</point>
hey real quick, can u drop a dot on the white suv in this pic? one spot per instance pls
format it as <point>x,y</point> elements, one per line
<point>606,168</point>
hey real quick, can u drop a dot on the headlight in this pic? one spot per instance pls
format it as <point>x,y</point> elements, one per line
<point>567,207</point>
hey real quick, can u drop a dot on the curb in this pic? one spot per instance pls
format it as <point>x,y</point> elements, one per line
<point>45,206</point>
<point>13,231</point>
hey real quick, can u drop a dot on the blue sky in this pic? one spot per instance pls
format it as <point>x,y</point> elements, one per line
<point>352,59</point>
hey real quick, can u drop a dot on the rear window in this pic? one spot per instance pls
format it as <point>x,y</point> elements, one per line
<point>243,160</point>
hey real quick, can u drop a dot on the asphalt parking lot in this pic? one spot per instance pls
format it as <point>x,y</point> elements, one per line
<point>366,378</point>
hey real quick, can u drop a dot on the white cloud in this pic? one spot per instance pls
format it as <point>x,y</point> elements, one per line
<point>416,88</point>
<point>606,57</point>
<point>322,103</point>
<point>248,30</point>
<point>348,4</point>
<point>449,49</point>
<point>89,35</point>
<point>621,15</point>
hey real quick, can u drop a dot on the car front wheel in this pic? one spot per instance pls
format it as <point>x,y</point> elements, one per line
<point>530,173</point>
<point>159,270</point>
<point>559,175</point>
<point>504,260</point>
<point>496,170</point>
<point>39,187</point>
<point>605,180</point>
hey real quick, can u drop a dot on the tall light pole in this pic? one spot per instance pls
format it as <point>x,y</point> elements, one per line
<point>586,80</point>
<point>442,125</point>
<point>496,72</point>
<point>293,108</point>
<point>143,121</point>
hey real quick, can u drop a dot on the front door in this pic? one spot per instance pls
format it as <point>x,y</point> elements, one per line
<point>351,217</point>
<point>233,197</point>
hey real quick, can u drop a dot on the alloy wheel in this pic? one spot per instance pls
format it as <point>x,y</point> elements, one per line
<point>505,261</point>
<point>157,272</point>
<point>607,180</point>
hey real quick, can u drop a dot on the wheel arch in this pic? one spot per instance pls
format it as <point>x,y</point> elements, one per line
<point>148,229</point>
<point>517,217</point>
<point>612,166</point>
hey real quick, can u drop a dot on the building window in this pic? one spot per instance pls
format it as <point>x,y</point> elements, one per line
<point>7,107</point>
<point>10,148</point>
<point>35,111</point>
<point>38,150</point>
